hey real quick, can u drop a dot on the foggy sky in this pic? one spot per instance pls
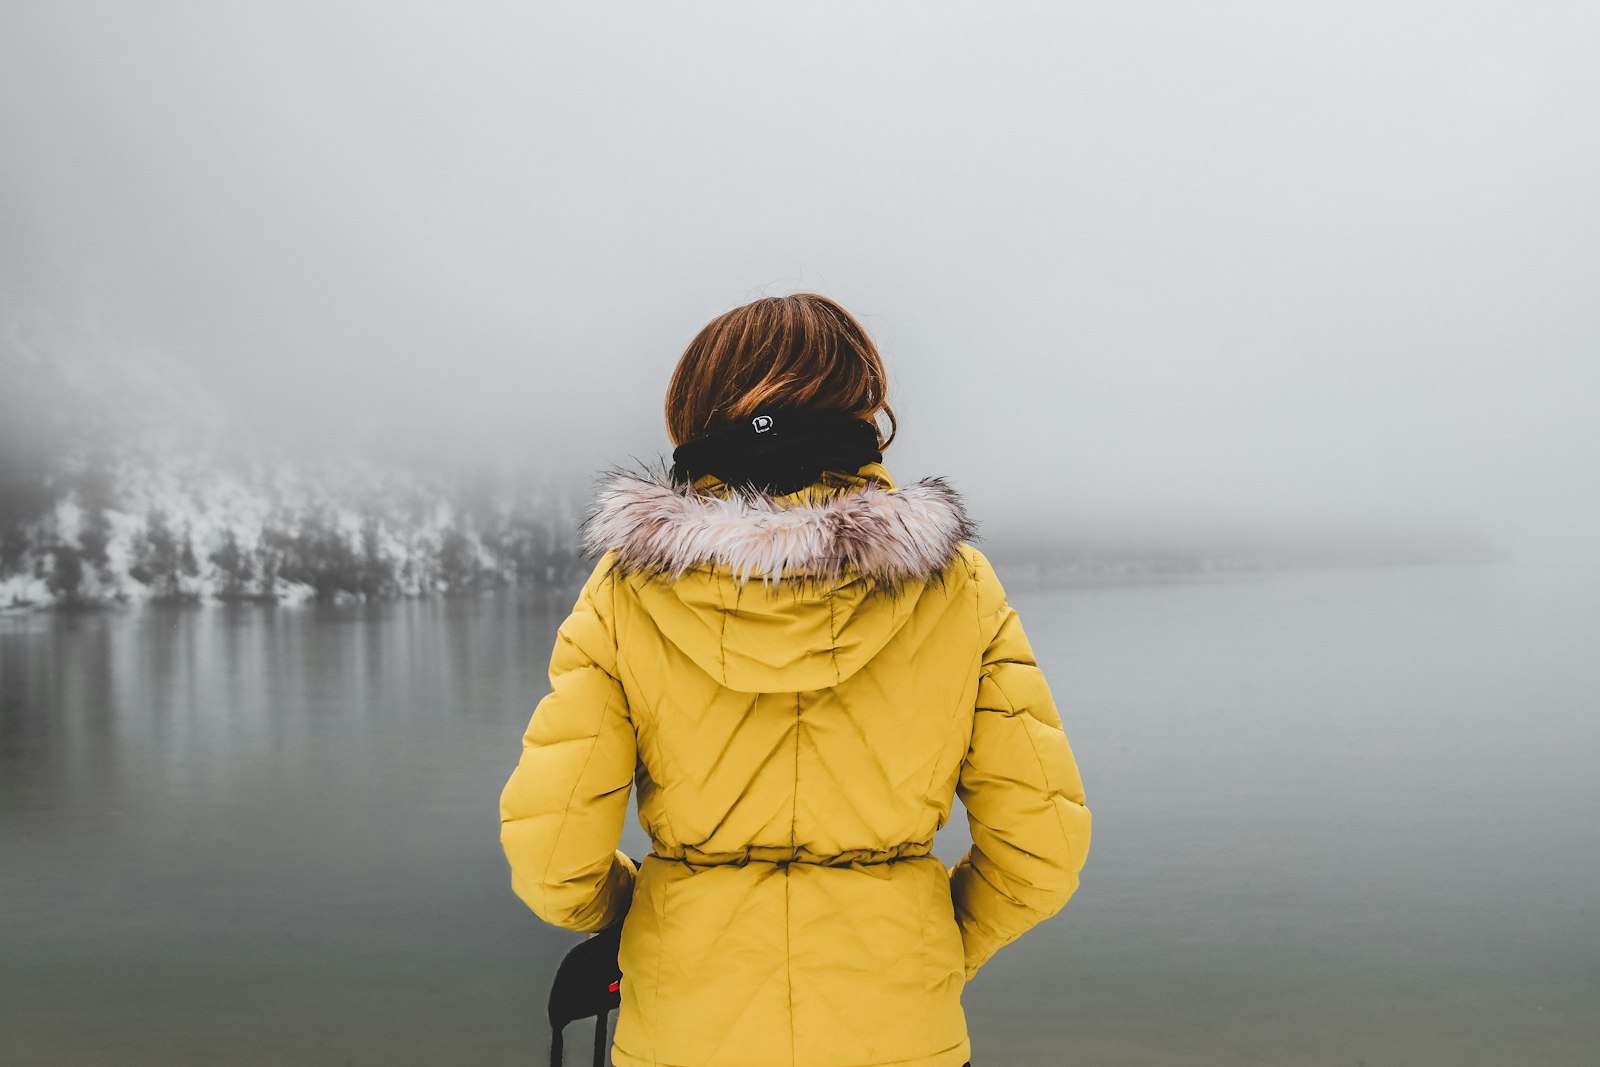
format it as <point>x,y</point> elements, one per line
<point>1252,261</point>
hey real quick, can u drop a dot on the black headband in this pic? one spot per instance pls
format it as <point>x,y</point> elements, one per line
<point>780,450</point>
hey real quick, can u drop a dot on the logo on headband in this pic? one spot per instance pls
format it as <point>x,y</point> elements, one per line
<point>762,423</point>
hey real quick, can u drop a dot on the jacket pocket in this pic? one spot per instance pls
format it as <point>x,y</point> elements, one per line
<point>945,969</point>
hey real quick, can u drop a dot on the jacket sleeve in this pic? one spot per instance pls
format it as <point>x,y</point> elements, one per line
<point>1022,791</point>
<point>562,811</point>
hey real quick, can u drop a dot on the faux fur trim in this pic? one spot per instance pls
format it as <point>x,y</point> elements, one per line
<point>890,535</point>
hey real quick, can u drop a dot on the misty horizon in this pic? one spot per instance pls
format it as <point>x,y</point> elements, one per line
<point>1269,270</point>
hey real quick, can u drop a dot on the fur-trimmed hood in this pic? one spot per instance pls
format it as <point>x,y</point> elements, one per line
<point>842,566</point>
<point>845,524</point>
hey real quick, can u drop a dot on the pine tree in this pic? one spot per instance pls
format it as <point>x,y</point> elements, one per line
<point>236,569</point>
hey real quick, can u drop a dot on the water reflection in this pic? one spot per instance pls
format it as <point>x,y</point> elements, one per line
<point>1339,816</point>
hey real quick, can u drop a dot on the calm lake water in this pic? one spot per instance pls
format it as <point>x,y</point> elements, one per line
<point>1341,817</point>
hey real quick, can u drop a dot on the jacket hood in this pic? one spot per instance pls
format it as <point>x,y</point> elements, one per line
<point>777,592</point>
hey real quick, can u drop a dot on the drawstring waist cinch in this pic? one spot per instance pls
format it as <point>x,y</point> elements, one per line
<point>786,855</point>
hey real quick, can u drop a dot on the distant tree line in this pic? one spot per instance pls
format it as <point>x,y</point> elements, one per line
<point>87,546</point>
<point>290,555</point>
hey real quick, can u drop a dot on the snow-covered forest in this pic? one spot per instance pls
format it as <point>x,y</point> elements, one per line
<point>107,527</point>
<point>120,481</point>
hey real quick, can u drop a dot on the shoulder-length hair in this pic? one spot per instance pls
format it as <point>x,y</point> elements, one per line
<point>798,351</point>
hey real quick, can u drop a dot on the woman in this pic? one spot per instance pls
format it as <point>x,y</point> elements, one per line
<point>799,665</point>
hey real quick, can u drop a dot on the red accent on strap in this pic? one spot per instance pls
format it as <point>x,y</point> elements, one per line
<point>613,986</point>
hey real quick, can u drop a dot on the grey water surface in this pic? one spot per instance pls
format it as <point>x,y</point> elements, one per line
<point>1341,817</point>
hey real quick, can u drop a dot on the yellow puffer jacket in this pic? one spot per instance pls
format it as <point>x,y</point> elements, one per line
<point>796,686</point>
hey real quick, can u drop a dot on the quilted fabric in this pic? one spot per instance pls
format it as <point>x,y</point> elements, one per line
<point>793,748</point>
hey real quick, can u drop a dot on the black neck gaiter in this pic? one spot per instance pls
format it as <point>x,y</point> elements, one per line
<point>779,450</point>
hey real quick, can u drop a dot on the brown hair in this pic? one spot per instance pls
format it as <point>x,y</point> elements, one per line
<point>799,351</point>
